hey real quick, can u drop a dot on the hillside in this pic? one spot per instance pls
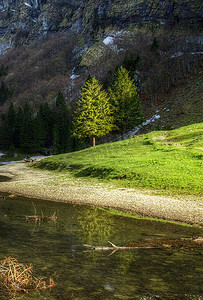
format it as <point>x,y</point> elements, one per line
<point>52,46</point>
<point>170,161</point>
<point>180,107</point>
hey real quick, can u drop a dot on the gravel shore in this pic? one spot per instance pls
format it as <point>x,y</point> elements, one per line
<point>47,185</point>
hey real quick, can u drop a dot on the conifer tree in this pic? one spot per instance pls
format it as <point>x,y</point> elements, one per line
<point>27,131</point>
<point>125,100</point>
<point>5,93</point>
<point>62,139</point>
<point>46,115</point>
<point>18,126</point>
<point>94,113</point>
<point>38,134</point>
<point>8,132</point>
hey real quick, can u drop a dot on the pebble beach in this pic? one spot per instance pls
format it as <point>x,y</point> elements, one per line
<point>41,184</point>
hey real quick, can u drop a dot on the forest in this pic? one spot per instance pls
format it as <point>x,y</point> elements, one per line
<point>57,129</point>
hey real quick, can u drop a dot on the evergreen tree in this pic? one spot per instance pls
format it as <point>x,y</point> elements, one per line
<point>125,100</point>
<point>154,47</point>
<point>94,112</point>
<point>8,132</point>
<point>62,136</point>
<point>38,134</point>
<point>5,93</point>
<point>27,131</point>
<point>130,63</point>
<point>11,123</point>
<point>18,126</point>
<point>3,71</point>
<point>46,115</point>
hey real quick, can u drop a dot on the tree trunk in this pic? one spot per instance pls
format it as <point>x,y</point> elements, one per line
<point>94,141</point>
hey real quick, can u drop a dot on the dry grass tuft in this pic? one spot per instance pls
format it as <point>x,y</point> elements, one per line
<point>17,278</point>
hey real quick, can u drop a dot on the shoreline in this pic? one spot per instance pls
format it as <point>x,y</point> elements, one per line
<point>47,185</point>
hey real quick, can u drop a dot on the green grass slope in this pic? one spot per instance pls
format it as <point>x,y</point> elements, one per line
<point>170,161</point>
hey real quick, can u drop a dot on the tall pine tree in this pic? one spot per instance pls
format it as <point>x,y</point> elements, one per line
<point>5,93</point>
<point>46,115</point>
<point>62,135</point>
<point>94,113</point>
<point>125,100</point>
<point>27,131</point>
<point>8,131</point>
<point>38,133</point>
<point>18,126</point>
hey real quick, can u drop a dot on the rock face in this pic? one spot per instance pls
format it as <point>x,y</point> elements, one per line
<point>22,21</point>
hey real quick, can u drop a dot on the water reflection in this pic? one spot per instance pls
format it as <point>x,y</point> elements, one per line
<point>4,178</point>
<point>56,249</point>
<point>14,161</point>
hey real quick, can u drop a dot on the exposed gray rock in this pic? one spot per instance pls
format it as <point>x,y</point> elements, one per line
<point>43,17</point>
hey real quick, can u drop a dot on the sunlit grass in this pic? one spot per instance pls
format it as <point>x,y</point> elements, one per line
<point>171,161</point>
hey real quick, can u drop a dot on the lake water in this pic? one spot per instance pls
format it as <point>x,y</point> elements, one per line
<point>2,162</point>
<point>56,249</point>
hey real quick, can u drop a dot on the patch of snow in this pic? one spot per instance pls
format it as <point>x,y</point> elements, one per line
<point>162,52</point>
<point>120,32</point>
<point>27,4</point>
<point>109,40</point>
<point>154,118</point>
<point>197,53</point>
<point>45,26</point>
<point>177,54</point>
<point>73,75</point>
<point>1,154</point>
<point>4,47</point>
<point>136,129</point>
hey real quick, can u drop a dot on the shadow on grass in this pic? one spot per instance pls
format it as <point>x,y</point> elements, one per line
<point>78,170</point>
<point>101,173</point>
<point>51,166</point>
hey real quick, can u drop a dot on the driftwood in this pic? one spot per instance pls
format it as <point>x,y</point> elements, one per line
<point>115,248</point>
<point>41,218</point>
<point>183,243</point>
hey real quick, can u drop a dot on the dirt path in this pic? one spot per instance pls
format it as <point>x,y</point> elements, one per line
<point>57,187</point>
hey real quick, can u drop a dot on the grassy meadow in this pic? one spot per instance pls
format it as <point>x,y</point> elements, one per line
<point>169,162</point>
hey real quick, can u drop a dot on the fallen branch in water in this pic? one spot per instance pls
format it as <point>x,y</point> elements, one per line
<point>41,218</point>
<point>17,278</point>
<point>183,243</point>
<point>115,248</point>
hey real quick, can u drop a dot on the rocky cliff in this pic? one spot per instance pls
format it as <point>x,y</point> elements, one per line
<point>47,46</point>
<point>22,21</point>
